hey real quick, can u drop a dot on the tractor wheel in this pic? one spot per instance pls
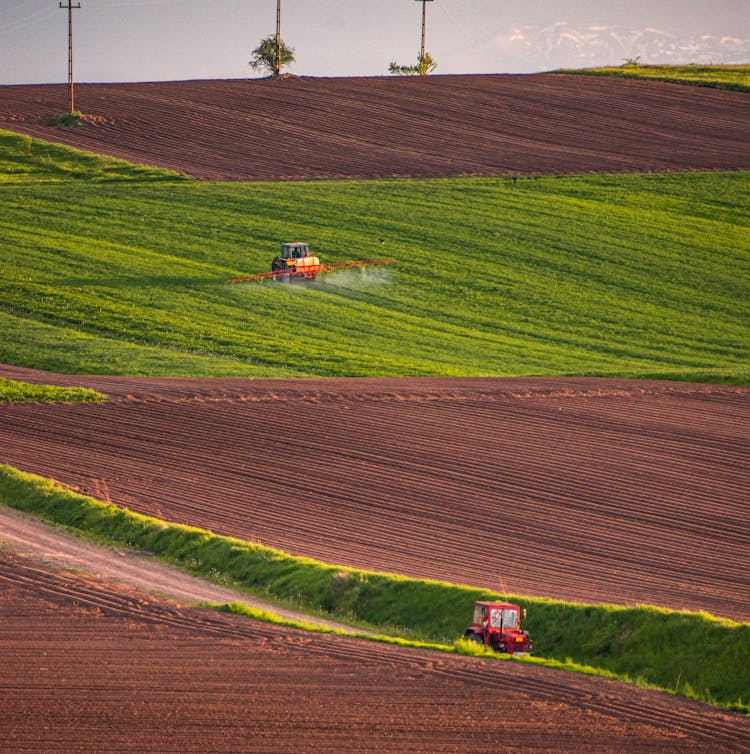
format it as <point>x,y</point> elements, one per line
<point>475,637</point>
<point>277,264</point>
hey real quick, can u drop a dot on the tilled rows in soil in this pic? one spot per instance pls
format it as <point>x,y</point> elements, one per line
<point>580,489</point>
<point>297,128</point>
<point>96,662</point>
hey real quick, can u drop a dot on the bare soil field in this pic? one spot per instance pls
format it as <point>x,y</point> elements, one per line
<point>95,666</point>
<point>295,128</point>
<point>580,489</point>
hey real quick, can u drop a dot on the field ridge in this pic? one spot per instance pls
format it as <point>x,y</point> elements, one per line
<point>219,687</point>
<point>463,125</point>
<point>624,642</point>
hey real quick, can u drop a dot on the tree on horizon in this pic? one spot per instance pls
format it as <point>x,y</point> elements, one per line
<point>270,57</point>
<point>425,64</point>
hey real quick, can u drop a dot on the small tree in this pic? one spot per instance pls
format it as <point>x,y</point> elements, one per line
<point>402,70</point>
<point>425,64</point>
<point>267,57</point>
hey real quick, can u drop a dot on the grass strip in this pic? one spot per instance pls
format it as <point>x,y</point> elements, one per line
<point>459,646</point>
<point>690,654</point>
<point>23,158</point>
<point>733,77</point>
<point>14,391</point>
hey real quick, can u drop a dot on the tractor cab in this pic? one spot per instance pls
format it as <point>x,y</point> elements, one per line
<point>295,250</point>
<point>295,261</point>
<point>498,625</point>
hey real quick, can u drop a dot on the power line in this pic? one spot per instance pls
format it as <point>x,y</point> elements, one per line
<point>70,8</point>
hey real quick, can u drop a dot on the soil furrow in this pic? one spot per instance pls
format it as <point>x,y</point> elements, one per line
<point>611,491</point>
<point>92,657</point>
<point>380,127</point>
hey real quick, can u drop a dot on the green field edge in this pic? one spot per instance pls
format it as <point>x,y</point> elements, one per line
<point>698,75</point>
<point>15,391</point>
<point>39,159</point>
<point>689,654</point>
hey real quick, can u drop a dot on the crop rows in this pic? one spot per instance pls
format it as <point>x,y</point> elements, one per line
<point>411,691</point>
<point>613,497</point>
<point>578,489</point>
<point>378,127</point>
<point>631,275</point>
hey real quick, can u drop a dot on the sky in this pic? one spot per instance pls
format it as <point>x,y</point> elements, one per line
<point>162,40</point>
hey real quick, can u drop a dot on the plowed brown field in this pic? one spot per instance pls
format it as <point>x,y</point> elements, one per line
<point>92,666</point>
<point>377,127</point>
<point>580,489</point>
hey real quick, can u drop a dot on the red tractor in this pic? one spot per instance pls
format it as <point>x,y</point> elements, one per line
<point>498,625</point>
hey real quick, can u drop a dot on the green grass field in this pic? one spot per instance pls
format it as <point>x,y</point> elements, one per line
<point>110,268</point>
<point>691,654</point>
<point>13,391</point>
<point>735,77</point>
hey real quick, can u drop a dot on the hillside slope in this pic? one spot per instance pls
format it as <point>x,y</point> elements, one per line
<point>101,667</point>
<point>297,128</point>
<point>586,490</point>
<point>107,269</point>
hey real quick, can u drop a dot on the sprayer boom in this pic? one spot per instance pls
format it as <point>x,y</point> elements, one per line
<point>306,268</point>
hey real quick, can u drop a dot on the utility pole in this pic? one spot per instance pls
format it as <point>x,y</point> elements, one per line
<point>277,62</point>
<point>70,8</point>
<point>424,25</point>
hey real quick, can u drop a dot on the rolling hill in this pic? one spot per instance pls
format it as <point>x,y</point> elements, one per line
<point>297,128</point>
<point>113,268</point>
<point>567,226</point>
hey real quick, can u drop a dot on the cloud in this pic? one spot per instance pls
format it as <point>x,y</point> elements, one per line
<point>563,45</point>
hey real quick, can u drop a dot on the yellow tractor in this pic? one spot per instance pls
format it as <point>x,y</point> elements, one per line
<point>296,261</point>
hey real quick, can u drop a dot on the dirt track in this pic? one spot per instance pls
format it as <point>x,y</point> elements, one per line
<point>580,489</point>
<point>26,535</point>
<point>171,678</point>
<point>379,127</point>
